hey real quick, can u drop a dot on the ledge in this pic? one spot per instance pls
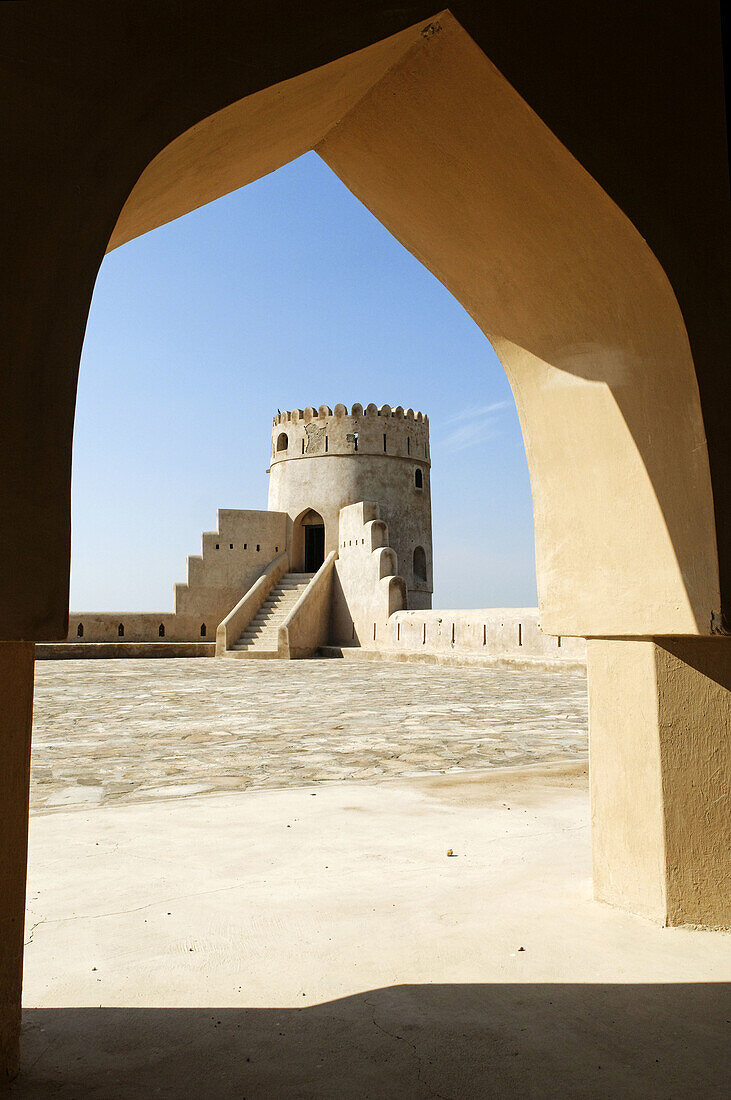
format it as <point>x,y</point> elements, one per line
<point>74,651</point>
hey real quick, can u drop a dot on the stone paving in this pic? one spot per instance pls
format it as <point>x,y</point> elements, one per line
<point>114,732</point>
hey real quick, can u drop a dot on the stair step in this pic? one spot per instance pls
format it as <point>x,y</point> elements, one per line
<point>261,636</point>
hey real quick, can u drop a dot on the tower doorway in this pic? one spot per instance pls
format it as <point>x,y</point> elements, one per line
<point>308,542</point>
<point>314,546</point>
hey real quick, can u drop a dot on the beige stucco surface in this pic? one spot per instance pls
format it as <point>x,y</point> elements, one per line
<point>231,559</point>
<point>506,632</point>
<point>661,776</point>
<point>16,672</point>
<point>319,942</point>
<point>367,587</point>
<point>251,138</point>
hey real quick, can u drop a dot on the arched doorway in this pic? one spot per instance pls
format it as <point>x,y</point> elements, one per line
<point>308,542</point>
<point>580,311</point>
<point>590,334</point>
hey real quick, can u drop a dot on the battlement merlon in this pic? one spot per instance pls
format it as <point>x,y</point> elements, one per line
<point>395,432</point>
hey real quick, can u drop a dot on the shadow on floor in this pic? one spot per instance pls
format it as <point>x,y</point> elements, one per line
<point>411,1041</point>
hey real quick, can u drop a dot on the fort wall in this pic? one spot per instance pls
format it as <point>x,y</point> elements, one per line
<point>367,588</point>
<point>463,637</point>
<point>232,558</point>
<point>512,632</point>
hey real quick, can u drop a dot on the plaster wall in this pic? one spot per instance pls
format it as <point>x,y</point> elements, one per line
<point>159,649</point>
<point>366,586</point>
<point>103,626</point>
<point>513,633</point>
<point>239,617</point>
<point>232,558</point>
<point>335,459</point>
<point>660,731</point>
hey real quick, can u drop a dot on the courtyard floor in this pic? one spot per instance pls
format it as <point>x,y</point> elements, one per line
<point>115,732</point>
<point>316,941</point>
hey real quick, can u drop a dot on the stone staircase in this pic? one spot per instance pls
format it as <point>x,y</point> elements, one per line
<point>259,639</point>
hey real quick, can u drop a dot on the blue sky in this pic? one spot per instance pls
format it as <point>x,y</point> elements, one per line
<point>284,294</point>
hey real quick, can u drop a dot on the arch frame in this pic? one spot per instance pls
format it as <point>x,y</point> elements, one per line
<point>575,304</point>
<point>297,538</point>
<point>113,95</point>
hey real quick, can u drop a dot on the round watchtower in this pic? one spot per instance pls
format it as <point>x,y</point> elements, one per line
<point>323,460</point>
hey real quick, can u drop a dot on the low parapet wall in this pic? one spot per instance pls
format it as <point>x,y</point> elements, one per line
<point>137,626</point>
<point>511,634</point>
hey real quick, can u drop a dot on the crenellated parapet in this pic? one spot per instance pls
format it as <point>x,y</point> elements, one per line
<point>373,430</point>
<point>369,587</point>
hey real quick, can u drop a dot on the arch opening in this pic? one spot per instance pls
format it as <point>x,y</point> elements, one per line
<point>419,565</point>
<point>308,542</point>
<point>590,335</point>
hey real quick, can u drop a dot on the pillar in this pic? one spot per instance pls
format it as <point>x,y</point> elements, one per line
<point>659,748</point>
<point>16,712</point>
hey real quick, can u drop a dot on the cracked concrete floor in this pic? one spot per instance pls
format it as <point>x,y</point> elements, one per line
<point>118,732</point>
<point>317,943</point>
